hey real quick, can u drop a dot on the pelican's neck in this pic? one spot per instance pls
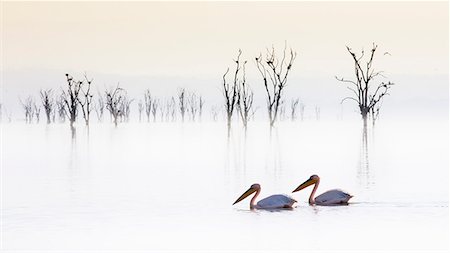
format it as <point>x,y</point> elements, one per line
<point>311,197</point>
<point>252,201</point>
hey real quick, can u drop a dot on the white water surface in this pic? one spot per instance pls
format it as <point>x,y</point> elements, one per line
<point>161,187</point>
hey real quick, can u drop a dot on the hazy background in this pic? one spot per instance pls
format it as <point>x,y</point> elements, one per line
<point>163,46</point>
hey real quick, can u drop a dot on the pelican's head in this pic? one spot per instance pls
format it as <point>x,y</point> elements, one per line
<point>312,180</point>
<point>252,189</point>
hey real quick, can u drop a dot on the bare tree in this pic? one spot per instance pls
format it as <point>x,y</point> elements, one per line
<point>28,108</point>
<point>155,106</point>
<point>125,107</point>
<point>114,98</point>
<point>37,111</point>
<point>302,111</point>
<point>230,91</point>
<point>173,106</point>
<point>141,109</point>
<point>192,105</point>
<point>317,111</point>
<point>214,113</point>
<point>70,97</point>
<point>294,104</point>
<point>162,109</point>
<point>201,102</point>
<point>244,99</point>
<point>60,106</point>
<point>182,102</point>
<point>366,95</point>
<point>47,103</point>
<point>99,107</point>
<point>148,100</point>
<point>274,73</point>
<point>86,103</point>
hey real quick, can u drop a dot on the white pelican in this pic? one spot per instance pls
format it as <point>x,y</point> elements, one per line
<point>328,198</point>
<point>272,202</point>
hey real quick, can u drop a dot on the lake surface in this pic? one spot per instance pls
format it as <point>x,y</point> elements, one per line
<point>170,187</point>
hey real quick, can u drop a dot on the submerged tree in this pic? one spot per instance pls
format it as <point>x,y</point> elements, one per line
<point>230,90</point>
<point>364,93</point>
<point>274,72</point>
<point>70,97</point>
<point>47,103</point>
<point>100,107</point>
<point>148,100</point>
<point>294,104</point>
<point>182,102</point>
<point>86,101</point>
<point>114,98</point>
<point>28,108</point>
<point>245,99</point>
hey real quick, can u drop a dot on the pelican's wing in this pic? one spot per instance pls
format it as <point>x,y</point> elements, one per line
<point>276,201</point>
<point>333,197</point>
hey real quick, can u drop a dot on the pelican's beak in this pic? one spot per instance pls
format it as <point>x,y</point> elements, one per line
<point>304,185</point>
<point>245,195</point>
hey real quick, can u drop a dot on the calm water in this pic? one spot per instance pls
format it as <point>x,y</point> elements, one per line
<point>165,186</point>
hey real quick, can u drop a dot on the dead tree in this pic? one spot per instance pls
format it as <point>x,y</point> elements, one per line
<point>182,102</point>
<point>244,99</point>
<point>214,113</point>
<point>201,103</point>
<point>294,104</point>
<point>37,111</point>
<point>192,105</point>
<point>141,109</point>
<point>230,90</point>
<point>47,103</point>
<point>274,73</point>
<point>162,109</point>
<point>114,98</point>
<point>155,105</point>
<point>86,102</point>
<point>363,92</point>
<point>148,100</point>
<point>302,111</point>
<point>28,108</point>
<point>317,111</point>
<point>173,113</point>
<point>61,107</point>
<point>99,107</point>
<point>70,97</point>
<point>125,107</point>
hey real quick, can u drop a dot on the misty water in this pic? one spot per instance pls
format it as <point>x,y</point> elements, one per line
<point>170,186</point>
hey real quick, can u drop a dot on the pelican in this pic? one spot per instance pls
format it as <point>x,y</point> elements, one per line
<point>277,201</point>
<point>328,198</point>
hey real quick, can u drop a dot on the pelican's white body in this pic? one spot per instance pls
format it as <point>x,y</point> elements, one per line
<point>275,201</point>
<point>332,197</point>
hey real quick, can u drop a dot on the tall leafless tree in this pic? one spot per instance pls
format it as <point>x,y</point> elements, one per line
<point>363,92</point>
<point>99,107</point>
<point>114,98</point>
<point>125,107</point>
<point>244,99</point>
<point>294,104</point>
<point>37,111</point>
<point>192,105</point>
<point>86,100</point>
<point>28,108</point>
<point>317,111</point>
<point>61,108</point>
<point>182,102</point>
<point>47,103</point>
<point>70,97</point>
<point>230,90</point>
<point>141,109</point>
<point>148,100</point>
<point>155,105</point>
<point>201,103</point>
<point>275,75</point>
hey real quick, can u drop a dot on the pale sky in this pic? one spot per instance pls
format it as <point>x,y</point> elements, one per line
<point>165,45</point>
